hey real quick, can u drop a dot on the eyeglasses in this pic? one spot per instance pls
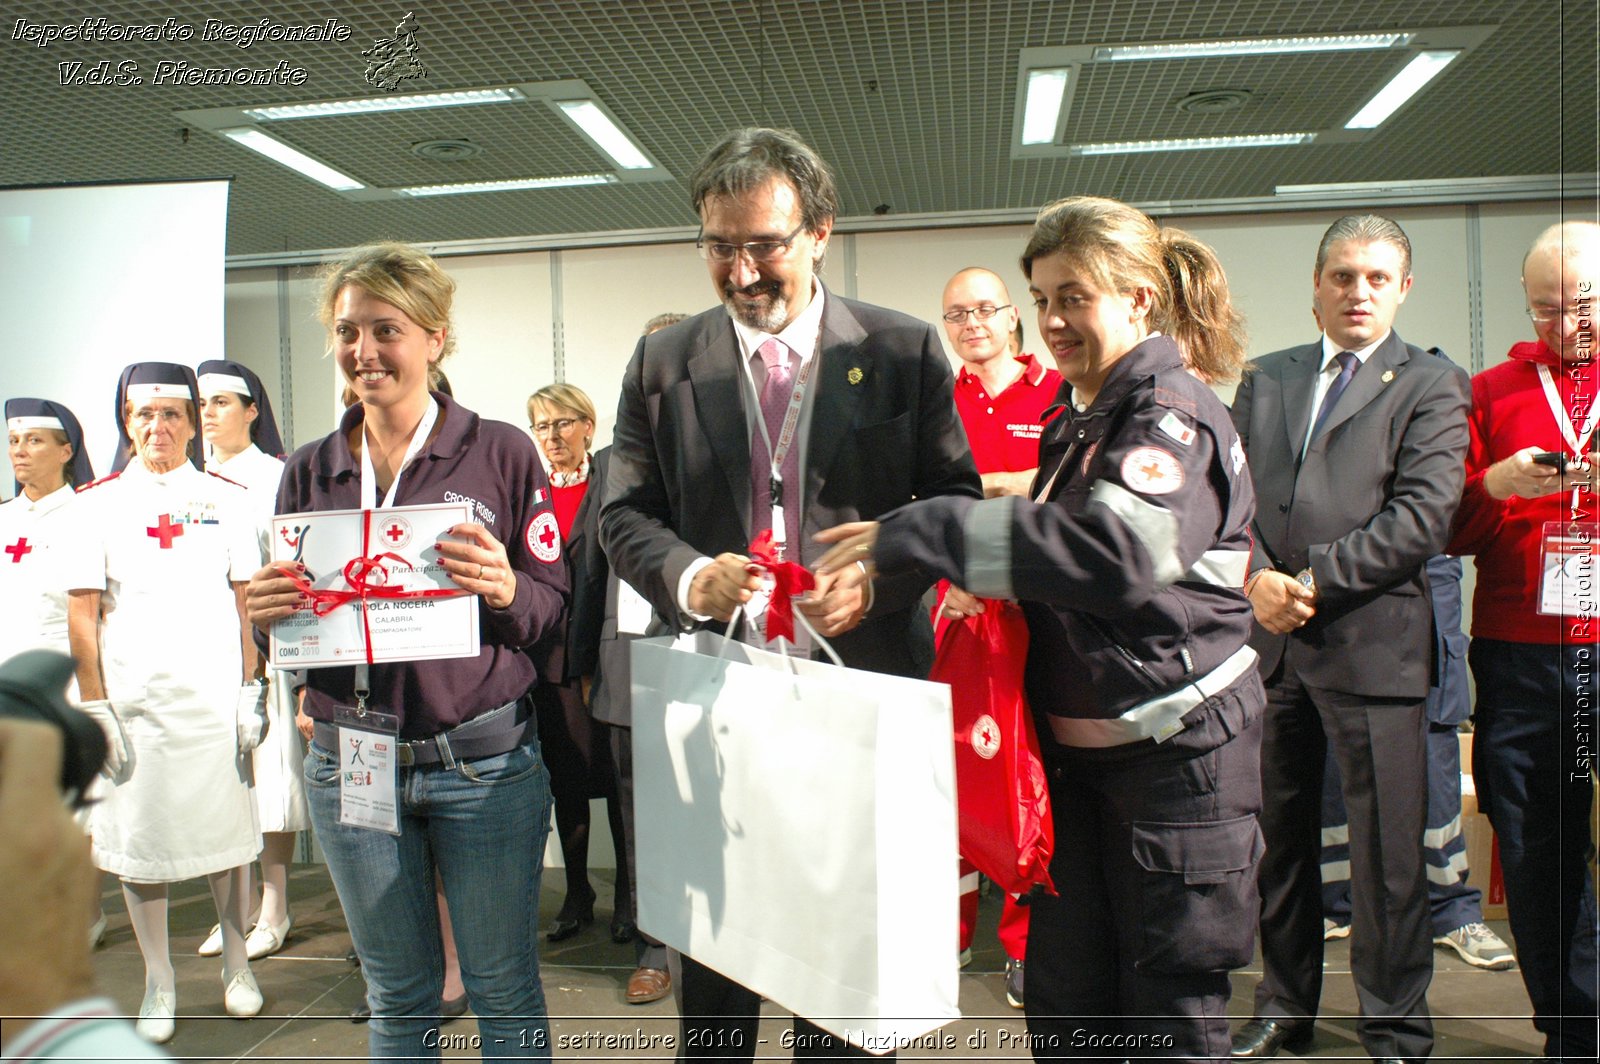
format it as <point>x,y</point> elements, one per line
<point>560,425</point>
<point>983,312</point>
<point>758,250</point>
<point>1546,315</point>
<point>145,418</point>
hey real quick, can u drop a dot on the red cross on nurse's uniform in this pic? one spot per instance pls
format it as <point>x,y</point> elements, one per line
<point>548,536</point>
<point>165,531</point>
<point>18,549</point>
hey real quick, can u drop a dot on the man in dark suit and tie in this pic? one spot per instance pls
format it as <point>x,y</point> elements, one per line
<point>1356,444</point>
<point>787,409</point>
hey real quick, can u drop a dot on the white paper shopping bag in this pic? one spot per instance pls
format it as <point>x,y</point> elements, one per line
<point>796,830</point>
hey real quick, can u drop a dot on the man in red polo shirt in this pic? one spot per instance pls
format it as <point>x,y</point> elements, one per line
<point>1001,395</point>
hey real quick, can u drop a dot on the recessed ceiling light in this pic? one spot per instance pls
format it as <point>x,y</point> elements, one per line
<point>293,158</point>
<point>1406,84</point>
<point>512,185</point>
<point>370,104</point>
<point>598,127</point>
<point>1258,140</point>
<point>1329,42</point>
<point>1042,113</point>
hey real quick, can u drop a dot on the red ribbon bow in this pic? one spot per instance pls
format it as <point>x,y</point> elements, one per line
<point>789,579</point>
<point>368,577</point>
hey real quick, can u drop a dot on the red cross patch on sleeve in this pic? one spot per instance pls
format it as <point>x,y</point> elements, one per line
<point>1152,471</point>
<point>544,537</point>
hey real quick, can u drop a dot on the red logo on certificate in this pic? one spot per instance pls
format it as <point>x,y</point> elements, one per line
<point>395,533</point>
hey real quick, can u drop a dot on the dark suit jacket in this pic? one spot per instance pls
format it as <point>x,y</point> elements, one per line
<point>572,650</point>
<point>883,431</point>
<point>1367,507</point>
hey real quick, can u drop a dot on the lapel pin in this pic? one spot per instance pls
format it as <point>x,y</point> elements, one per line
<point>1388,375</point>
<point>855,375</point>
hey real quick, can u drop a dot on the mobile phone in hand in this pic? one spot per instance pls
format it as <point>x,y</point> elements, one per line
<point>1553,459</point>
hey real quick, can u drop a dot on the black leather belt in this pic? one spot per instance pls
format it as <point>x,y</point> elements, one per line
<point>485,735</point>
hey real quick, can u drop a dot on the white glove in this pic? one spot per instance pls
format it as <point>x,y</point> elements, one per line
<point>101,713</point>
<point>252,716</point>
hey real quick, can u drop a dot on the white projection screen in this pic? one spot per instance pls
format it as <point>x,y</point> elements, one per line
<point>93,277</point>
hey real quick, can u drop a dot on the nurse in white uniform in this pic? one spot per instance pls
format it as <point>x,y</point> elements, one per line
<point>44,554</point>
<point>37,535</point>
<point>161,642</point>
<point>242,444</point>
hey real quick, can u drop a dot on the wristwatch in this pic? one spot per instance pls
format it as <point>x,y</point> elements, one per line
<point>1307,579</point>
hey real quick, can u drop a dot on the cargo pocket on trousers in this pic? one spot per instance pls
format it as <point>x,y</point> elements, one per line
<point>1198,894</point>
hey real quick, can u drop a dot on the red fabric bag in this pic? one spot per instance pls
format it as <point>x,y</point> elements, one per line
<point>1003,803</point>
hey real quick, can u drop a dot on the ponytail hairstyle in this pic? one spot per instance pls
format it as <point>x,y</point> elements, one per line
<point>1121,248</point>
<point>1201,316</point>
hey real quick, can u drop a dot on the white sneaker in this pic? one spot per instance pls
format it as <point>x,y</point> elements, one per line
<point>240,995</point>
<point>1479,946</point>
<point>964,959</point>
<point>157,1016</point>
<point>1331,930</point>
<point>212,946</point>
<point>97,931</point>
<point>264,940</point>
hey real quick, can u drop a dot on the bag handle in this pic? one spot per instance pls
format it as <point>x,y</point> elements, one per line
<point>740,613</point>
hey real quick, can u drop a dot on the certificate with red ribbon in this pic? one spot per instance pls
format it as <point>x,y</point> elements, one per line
<point>374,587</point>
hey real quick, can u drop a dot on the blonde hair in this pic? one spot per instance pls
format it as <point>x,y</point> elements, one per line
<point>402,276</point>
<point>569,397</point>
<point>1121,249</point>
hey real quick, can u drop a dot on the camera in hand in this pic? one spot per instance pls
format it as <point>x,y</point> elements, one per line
<point>33,687</point>
<point>1553,459</point>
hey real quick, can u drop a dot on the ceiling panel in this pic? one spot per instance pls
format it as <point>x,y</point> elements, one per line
<point>910,101</point>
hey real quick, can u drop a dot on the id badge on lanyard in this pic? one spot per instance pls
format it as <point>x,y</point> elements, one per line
<point>1566,570</point>
<point>367,768</point>
<point>368,739</point>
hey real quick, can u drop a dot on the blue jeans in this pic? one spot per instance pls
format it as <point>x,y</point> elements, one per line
<point>483,824</point>
<point>1532,762</point>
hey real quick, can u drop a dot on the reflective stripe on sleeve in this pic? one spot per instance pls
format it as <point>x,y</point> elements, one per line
<point>988,541</point>
<point>1156,527</point>
<point>1220,568</point>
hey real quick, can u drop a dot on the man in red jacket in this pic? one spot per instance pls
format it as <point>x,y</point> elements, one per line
<point>1529,514</point>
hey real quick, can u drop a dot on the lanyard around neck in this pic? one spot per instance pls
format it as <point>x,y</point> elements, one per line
<point>1577,437</point>
<point>786,435</point>
<point>369,475</point>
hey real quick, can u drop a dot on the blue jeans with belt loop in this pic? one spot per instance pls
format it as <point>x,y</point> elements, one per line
<point>483,823</point>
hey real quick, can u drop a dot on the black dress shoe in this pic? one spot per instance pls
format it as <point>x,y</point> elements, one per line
<point>573,917</point>
<point>623,929</point>
<point>361,1013</point>
<point>1263,1038</point>
<point>452,1009</point>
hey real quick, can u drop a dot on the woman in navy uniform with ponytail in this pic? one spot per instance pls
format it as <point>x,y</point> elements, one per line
<point>1130,562</point>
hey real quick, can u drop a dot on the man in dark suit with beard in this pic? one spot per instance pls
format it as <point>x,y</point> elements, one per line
<point>788,409</point>
<point>1356,444</point>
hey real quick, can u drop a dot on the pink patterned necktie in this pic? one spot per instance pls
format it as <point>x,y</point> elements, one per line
<point>776,393</point>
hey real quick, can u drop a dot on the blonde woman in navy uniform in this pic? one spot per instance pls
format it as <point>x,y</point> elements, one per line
<point>1130,560</point>
<point>472,792</point>
<point>161,640</point>
<point>242,444</point>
